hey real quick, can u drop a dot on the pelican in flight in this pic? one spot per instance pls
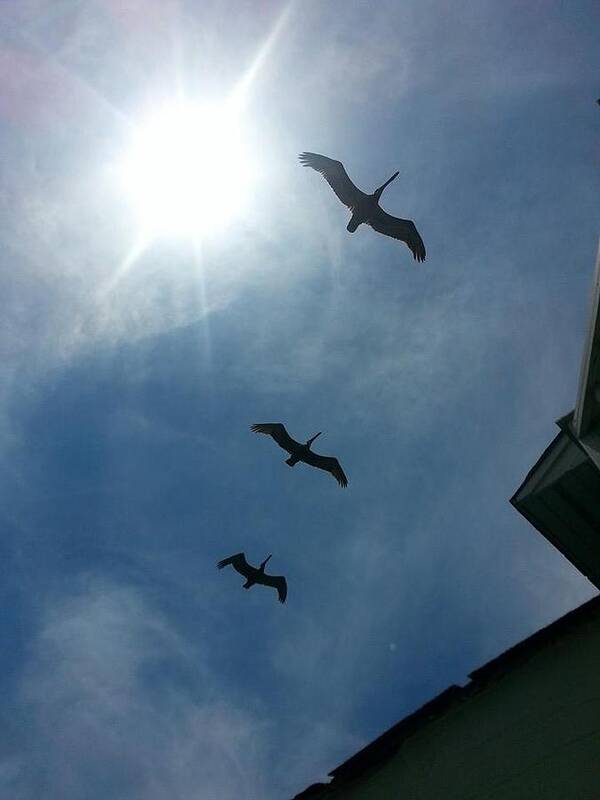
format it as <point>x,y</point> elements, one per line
<point>302,452</point>
<point>254,575</point>
<point>365,207</point>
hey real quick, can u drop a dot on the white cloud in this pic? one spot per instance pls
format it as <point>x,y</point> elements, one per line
<point>98,721</point>
<point>100,713</point>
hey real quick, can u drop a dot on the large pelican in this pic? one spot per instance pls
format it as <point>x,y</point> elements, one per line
<point>365,207</point>
<point>254,575</point>
<point>301,452</point>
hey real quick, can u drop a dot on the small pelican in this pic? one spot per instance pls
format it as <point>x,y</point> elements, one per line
<point>302,452</point>
<point>254,575</point>
<point>365,207</point>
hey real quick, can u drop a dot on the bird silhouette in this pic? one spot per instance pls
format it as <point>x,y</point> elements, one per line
<point>254,575</point>
<point>301,452</point>
<point>365,207</point>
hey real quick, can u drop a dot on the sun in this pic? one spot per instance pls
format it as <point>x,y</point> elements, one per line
<point>187,171</point>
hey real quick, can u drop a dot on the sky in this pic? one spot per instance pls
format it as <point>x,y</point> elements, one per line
<point>133,367</point>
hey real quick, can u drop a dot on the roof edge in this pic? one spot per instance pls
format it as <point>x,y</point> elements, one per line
<point>388,743</point>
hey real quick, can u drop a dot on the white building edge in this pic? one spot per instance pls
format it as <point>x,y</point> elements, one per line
<point>561,494</point>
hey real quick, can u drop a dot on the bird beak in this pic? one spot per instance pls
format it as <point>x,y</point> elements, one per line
<point>315,436</point>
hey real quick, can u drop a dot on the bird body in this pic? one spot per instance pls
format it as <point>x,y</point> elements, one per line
<point>365,207</point>
<point>301,452</point>
<point>255,575</point>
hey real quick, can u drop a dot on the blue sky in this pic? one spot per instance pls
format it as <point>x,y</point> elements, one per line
<point>131,667</point>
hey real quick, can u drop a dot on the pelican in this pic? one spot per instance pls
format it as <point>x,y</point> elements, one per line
<point>254,575</point>
<point>301,452</point>
<point>365,207</point>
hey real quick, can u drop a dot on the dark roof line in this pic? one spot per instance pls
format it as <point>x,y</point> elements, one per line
<point>550,447</point>
<point>386,745</point>
<point>314,790</point>
<point>523,650</point>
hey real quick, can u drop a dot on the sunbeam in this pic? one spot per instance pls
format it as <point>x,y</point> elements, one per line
<point>189,171</point>
<point>242,89</point>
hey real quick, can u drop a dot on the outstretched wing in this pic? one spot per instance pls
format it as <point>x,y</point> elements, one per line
<point>335,175</point>
<point>329,464</point>
<point>278,432</point>
<point>238,562</point>
<point>277,582</point>
<point>402,229</point>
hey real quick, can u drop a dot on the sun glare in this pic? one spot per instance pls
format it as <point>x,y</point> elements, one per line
<point>187,171</point>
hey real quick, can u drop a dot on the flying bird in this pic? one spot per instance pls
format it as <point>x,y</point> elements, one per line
<point>365,207</point>
<point>254,575</point>
<point>302,452</point>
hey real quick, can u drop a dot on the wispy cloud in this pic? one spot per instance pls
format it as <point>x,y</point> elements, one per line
<point>112,699</point>
<point>99,715</point>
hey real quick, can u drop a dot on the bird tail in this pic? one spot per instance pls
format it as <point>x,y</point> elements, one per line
<point>291,461</point>
<point>353,224</point>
